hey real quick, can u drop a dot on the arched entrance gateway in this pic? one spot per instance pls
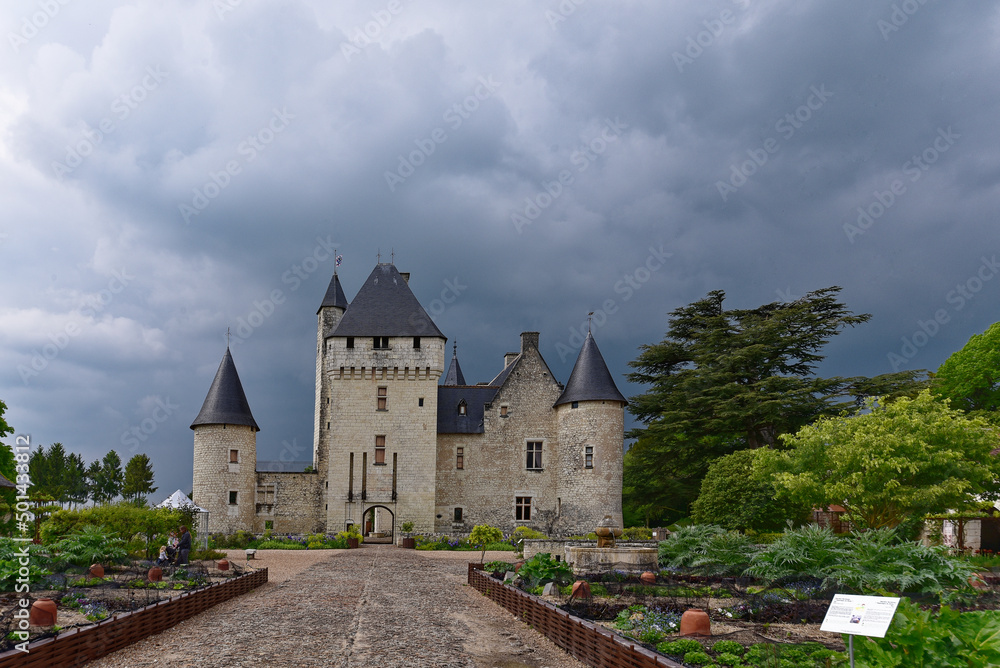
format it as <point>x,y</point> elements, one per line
<point>378,524</point>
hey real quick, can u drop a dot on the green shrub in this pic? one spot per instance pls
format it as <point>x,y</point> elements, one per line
<point>406,527</point>
<point>527,532</point>
<point>728,646</point>
<point>88,545</point>
<point>203,555</point>
<point>10,564</point>
<point>637,533</point>
<point>500,547</point>
<point>697,658</point>
<point>122,520</point>
<point>484,534</point>
<point>687,544</point>
<point>281,545</point>
<point>808,552</point>
<point>679,647</point>
<point>726,553</point>
<point>543,568</point>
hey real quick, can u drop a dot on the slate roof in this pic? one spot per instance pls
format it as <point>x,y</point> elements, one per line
<point>590,379</point>
<point>226,402</point>
<point>476,397</point>
<point>385,306</point>
<point>334,295</point>
<point>454,375</point>
<point>502,376</point>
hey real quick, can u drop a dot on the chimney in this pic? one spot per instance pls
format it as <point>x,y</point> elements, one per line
<point>508,358</point>
<point>406,276</point>
<point>529,340</point>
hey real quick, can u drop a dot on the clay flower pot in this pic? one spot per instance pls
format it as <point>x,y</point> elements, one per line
<point>155,574</point>
<point>223,564</point>
<point>695,622</point>
<point>581,589</point>
<point>647,578</point>
<point>43,613</point>
<point>97,571</point>
<point>517,565</point>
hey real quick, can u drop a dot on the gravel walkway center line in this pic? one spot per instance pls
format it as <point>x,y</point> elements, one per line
<point>375,606</point>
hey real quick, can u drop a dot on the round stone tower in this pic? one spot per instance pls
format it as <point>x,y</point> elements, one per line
<point>591,418</point>
<point>225,454</point>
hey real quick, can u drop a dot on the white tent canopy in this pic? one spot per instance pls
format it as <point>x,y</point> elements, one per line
<point>180,500</point>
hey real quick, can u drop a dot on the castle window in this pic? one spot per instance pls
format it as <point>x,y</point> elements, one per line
<point>265,498</point>
<point>522,508</point>
<point>503,411</point>
<point>380,343</point>
<point>382,398</point>
<point>234,456</point>
<point>232,498</point>
<point>350,341</point>
<point>380,450</point>
<point>460,458</point>
<point>534,460</point>
<point>575,404</point>
<point>588,454</point>
<point>420,401</point>
<point>462,408</point>
<point>416,342</point>
<point>458,514</point>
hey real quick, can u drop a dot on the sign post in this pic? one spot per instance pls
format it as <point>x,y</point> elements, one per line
<point>859,615</point>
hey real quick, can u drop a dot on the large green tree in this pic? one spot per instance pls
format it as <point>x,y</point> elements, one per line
<point>970,378</point>
<point>109,479</point>
<point>138,480</point>
<point>724,380</point>
<point>899,460</point>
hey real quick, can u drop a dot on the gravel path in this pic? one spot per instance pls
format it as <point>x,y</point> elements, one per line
<point>376,606</point>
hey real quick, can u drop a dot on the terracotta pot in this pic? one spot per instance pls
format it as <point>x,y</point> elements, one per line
<point>581,589</point>
<point>353,543</point>
<point>155,574</point>
<point>695,622</point>
<point>976,581</point>
<point>43,613</point>
<point>647,578</point>
<point>517,565</point>
<point>97,571</point>
<point>223,564</point>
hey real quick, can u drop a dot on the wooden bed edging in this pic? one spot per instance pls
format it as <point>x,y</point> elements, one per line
<point>591,643</point>
<point>78,646</point>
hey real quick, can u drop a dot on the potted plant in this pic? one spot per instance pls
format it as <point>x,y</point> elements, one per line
<point>352,535</point>
<point>407,541</point>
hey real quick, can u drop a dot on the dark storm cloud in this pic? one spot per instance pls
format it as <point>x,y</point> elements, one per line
<point>528,163</point>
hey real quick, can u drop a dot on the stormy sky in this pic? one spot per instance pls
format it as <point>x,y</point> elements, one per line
<point>173,168</point>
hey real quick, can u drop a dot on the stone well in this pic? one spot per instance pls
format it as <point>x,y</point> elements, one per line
<point>603,559</point>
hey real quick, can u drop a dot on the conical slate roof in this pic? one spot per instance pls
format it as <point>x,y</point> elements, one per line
<point>590,379</point>
<point>226,403</point>
<point>454,375</point>
<point>334,295</point>
<point>385,306</point>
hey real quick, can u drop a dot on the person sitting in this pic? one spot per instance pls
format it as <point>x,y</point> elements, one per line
<point>163,559</point>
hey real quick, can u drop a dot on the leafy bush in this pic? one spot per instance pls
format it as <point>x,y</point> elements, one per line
<point>406,527</point>
<point>527,532</point>
<point>282,545</point>
<point>687,544</point>
<point>942,640</point>
<point>637,533</point>
<point>726,553</point>
<point>875,562</point>
<point>498,567</point>
<point>500,547</point>
<point>202,555</point>
<point>810,551</point>
<point>351,531</point>
<point>89,545</point>
<point>482,535</point>
<point>10,564</point>
<point>699,658</point>
<point>728,646</point>
<point>648,626</point>
<point>543,568</point>
<point>679,647</point>
<point>123,520</point>
<point>238,541</point>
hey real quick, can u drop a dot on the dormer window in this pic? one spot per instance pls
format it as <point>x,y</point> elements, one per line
<point>462,408</point>
<point>380,343</point>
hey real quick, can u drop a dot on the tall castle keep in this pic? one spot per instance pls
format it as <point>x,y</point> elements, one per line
<point>393,443</point>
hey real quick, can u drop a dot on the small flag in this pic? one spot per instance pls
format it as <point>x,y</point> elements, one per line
<point>340,258</point>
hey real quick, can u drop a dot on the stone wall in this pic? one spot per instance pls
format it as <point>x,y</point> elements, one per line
<point>588,494</point>
<point>353,376</point>
<point>495,470</point>
<point>215,476</point>
<point>293,502</point>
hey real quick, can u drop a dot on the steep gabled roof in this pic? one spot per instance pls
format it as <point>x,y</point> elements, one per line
<point>590,379</point>
<point>334,295</point>
<point>475,397</point>
<point>454,375</point>
<point>385,306</point>
<point>226,402</point>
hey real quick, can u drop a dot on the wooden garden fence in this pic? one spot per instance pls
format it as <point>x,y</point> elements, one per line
<point>78,646</point>
<point>590,643</point>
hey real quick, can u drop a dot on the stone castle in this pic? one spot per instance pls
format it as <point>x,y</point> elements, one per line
<point>393,443</point>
